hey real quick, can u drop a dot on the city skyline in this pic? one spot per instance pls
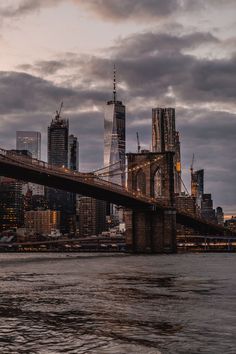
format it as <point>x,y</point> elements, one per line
<point>171,63</point>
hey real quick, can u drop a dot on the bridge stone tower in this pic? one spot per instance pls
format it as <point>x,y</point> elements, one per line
<point>151,231</point>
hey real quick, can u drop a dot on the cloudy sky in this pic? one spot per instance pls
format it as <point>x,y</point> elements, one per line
<point>177,53</point>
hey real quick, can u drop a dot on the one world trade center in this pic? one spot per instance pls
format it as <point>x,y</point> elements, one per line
<point>114,139</point>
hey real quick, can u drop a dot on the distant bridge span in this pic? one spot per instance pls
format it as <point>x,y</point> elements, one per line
<point>88,184</point>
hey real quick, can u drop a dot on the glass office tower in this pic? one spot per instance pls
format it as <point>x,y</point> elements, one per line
<point>114,139</point>
<point>31,141</point>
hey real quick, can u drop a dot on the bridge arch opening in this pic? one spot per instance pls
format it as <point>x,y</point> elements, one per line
<point>140,182</point>
<point>158,183</point>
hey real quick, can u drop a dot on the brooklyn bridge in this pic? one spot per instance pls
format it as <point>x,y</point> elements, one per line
<point>150,220</point>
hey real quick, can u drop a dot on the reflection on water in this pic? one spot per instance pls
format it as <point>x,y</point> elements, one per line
<point>117,304</point>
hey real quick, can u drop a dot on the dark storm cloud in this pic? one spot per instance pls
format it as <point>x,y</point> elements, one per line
<point>22,92</point>
<point>125,9</point>
<point>110,9</point>
<point>23,7</point>
<point>47,67</point>
<point>150,63</point>
<point>151,43</point>
<point>114,10</point>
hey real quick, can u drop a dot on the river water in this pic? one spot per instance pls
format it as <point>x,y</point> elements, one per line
<point>98,303</point>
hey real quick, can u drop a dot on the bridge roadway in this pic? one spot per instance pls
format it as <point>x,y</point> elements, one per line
<point>88,184</point>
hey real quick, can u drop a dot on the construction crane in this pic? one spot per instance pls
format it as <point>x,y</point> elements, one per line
<point>191,167</point>
<point>58,113</point>
<point>138,143</point>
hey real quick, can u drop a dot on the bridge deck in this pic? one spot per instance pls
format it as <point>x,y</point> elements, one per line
<point>88,184</point>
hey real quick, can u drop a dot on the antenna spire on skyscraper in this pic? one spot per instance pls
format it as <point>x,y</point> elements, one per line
<point>114,84</point>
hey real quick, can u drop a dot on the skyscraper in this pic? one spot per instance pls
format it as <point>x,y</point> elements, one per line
<point>58,133</point>
<point>58,138</point>
<point>197,184</point>
<point>30,141</point>
<point>166,138</point>
<point>73,151</point>
<point>114,138</point>
<point>207,211</point>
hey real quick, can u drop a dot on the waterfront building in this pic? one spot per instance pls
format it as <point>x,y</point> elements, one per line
<point>220,216</point>
<point>207,211</point>
<point>115,139</point>
<point>30,141</point>
<point>186,204</point>
<point>231,223</point>
<point>73,151</point>
<point>11,204</point>
<point>92,216</point>
<point>42,221</point>
<point>58,148</point>
<point>165,138</point>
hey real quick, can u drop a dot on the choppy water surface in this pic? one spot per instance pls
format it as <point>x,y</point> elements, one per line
<point>96,303</point>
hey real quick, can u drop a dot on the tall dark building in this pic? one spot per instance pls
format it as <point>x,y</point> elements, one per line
<point>114,138</point>
<point>92,216</point>
<point>166,138</point>
<point>11,204</point>
<point>58,137</point>
<point>58,147</point>
<point>197,183</point>
<point>73,151</point>
<point>197,186</point>
<point>207,211</point>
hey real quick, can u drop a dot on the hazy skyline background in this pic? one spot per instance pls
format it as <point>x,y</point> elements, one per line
<point>178,53</point>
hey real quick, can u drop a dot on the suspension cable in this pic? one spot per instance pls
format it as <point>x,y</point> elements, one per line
<point>104,168</point>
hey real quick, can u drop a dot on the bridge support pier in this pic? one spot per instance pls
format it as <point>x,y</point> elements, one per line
<point>151,232</point>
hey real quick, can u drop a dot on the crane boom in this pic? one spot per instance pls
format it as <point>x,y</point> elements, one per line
<point>138,142</point>
<point>191,167</point>
<point>59,113</point>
